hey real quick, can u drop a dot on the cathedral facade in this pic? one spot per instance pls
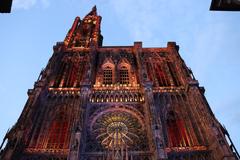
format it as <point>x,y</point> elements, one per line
<point>94,102</point>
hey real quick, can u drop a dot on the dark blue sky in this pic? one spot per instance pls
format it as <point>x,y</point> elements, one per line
<point>209,44</point>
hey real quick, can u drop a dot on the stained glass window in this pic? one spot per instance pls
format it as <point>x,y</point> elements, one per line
<point>107,75</point>
<point>124,76</point>
<point>58,132</point>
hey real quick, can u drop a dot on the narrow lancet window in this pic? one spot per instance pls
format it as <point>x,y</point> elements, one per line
<point>58,135</point>
<point>177,136</point>
<point>124,76</point>
<point>107,75</point>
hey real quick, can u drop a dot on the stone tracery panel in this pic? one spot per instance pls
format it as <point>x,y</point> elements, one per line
<point>122,66</point>
<point>71,71</point>
<point>52,134</point>
<point>117,131</point>
<point>160,70</point>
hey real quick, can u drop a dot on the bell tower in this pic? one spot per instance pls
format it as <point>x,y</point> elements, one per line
<point>94,102</point>
<point>86,32</point>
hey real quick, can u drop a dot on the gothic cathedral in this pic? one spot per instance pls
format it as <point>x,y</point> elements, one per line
<point>94,102</point>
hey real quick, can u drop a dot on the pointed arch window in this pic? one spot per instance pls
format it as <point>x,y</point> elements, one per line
<point>124,75</point>
<point>177,135</point>
<point>107,75</point>
<point>59,132</point>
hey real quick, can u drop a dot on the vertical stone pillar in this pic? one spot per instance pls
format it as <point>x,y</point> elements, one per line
<point>137,49</point>
<point>155,124</point>
<point>75,144</point>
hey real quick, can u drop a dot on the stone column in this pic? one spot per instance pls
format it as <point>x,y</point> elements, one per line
<point>155,124</point>
<point>75,144</point>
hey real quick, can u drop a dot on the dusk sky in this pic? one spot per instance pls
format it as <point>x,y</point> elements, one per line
<point>209,43</point>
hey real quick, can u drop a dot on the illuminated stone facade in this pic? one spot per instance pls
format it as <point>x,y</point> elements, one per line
<point>95,102</point>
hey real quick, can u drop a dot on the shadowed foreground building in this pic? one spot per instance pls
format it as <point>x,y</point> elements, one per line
<point>95,102</point>
<point>5,6</point>
<point>225,5</point>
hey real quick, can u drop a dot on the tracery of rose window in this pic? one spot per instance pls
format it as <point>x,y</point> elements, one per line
<point>118,132</point>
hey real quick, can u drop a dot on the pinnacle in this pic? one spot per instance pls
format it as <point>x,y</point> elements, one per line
<point>93,11</point>
<point>94,8</point>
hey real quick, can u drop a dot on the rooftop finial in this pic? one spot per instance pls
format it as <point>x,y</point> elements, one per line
<point>93,11</point>
<point>94,8</point>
